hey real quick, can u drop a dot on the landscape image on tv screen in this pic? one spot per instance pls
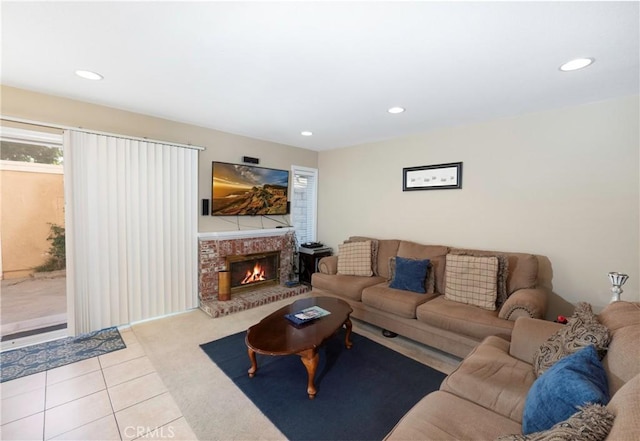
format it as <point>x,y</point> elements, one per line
<point>248,190</point>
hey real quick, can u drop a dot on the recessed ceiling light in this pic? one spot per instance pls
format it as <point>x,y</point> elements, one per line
<point>576,64</point>
<point>396,110</point>
<point>88,75</point>
<point>306,133</point>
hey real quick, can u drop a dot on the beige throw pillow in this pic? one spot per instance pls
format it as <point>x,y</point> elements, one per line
<point>472,280</point>
<point>374,251</point>
<point>503,271</point>
<point>354,259</point>
<point>583,329</point>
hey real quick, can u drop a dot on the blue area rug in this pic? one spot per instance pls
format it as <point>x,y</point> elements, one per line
<point>29,360</point>
<point>362,392</point>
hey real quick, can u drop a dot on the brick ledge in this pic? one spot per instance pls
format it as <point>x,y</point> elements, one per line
<point>251,299</point>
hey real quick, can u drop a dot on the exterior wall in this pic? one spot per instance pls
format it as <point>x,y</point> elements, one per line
<point>562,183</point>
<point>32,198</point>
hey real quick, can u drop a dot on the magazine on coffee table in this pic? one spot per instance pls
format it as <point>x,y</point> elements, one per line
<point>306,315</point>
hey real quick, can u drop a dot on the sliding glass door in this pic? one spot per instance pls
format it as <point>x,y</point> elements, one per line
<point>33,302</point>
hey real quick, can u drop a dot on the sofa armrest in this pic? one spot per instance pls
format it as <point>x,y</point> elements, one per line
<point>328,265</point>
<point>528,335</point>
<point>530,302</point>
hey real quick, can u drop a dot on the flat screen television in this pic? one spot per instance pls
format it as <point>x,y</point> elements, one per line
<point>248,190</point>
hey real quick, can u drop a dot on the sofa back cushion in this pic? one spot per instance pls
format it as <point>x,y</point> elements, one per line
<point>626,408</point>
<point>622,359</point>
<point>619,315</point>
<point>523,271</point>
<point>435,253</point>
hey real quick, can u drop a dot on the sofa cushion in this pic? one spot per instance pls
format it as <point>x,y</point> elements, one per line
<point>435,253</point>
<point>409,274</point>
<point>472,280</point>
<point>491,378</point>
<point>346,286</point>
<point>463,319</point>
<point>503,270</point>
<point>354,259</point>
<point>574,381</point>
<point>395,301</point>
<point>621,361</point>
<point>442,416</point>
<point>618,315</point>
<point>625,405</point>
<point>583,329</point>
<point>523,271</point>
<point>591,423</point>
<point>528,335</point>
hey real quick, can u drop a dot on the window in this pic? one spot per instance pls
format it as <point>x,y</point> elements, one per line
<point>304,203</point>
<point>30,146</point>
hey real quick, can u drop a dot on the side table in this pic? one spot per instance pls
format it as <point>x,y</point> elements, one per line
<point>308,262</point>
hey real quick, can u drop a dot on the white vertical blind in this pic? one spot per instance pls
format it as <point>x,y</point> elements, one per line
<point>131,216</point>
<point>305,202</point>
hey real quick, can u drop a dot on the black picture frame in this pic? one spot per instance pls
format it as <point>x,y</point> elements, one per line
<point>432,177</point>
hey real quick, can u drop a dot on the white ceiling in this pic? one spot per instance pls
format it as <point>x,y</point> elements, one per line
<point>269,70</point>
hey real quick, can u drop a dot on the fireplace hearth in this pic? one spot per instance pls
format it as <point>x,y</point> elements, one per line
<point>253,270</point>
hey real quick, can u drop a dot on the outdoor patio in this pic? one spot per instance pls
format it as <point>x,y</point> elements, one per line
<point>33,303</point>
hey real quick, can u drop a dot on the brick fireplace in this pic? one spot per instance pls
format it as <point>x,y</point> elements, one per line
<point>217,251</point>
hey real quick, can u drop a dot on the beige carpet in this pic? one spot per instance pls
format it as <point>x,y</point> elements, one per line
<point>214,407</point>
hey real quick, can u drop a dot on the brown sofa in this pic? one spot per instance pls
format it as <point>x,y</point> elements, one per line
<point>431,319</point>
<point>484,397</point>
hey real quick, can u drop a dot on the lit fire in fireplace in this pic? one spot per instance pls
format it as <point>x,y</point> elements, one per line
<point>255,276</point>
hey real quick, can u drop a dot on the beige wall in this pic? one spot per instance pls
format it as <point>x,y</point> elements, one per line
<point>31,200</point>
<point>562,183</point>
<point>220,146</point>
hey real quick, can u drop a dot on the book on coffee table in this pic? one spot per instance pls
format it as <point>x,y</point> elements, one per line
<point>306,315</point>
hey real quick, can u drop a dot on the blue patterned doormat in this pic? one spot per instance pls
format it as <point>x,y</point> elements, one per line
<point>29,360</point>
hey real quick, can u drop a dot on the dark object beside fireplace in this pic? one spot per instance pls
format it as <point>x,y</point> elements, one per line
<point>253,270</point>
<point>308,262</point>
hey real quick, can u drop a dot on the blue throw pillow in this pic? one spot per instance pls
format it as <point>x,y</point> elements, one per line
<point>410,275</point>
<point>573,381</point>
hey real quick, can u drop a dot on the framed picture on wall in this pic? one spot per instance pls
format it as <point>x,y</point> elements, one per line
<point>432,177</point>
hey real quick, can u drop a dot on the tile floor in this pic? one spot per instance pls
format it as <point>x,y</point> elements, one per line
<point>116,396</point>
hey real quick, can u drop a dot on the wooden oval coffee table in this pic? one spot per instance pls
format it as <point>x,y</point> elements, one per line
<point>275,335</point>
